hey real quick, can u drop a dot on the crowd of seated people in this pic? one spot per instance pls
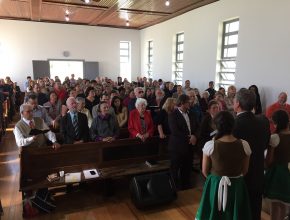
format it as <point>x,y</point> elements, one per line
<point>84,110</point>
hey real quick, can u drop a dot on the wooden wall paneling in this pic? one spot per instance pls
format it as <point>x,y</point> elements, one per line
<point>35,9</point>
<point>16,9</point>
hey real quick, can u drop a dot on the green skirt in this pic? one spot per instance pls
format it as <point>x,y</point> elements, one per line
<point>237,207</point>
<point>277,183</point>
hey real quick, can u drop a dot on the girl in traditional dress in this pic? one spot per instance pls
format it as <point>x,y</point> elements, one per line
<point>277,177</point>
<point>225,161</point>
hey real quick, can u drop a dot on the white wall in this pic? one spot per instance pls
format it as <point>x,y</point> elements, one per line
<point>263,51</point>
<point>22,41</point>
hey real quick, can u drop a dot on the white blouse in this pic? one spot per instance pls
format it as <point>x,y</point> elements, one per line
<point>209,147</point>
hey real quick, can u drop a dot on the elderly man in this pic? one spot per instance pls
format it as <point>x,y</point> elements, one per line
<point>255,130</point>
<point>139,93</point>
<point>279,105</point>
<point>74,124</point>
<point>22,130</point>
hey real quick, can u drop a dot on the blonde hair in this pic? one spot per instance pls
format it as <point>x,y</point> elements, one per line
<point>168,103</point>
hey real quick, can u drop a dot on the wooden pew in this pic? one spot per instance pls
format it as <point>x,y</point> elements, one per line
<point>118,158</point>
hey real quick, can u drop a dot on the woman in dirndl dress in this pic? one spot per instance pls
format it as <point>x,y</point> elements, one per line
<point>225,161</point>
<point>277,177</point>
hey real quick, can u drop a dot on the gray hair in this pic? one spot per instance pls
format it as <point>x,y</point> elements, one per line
<point>25,107</point>
<point>246,99</point>
<point>137,89</point>
<point>80,100</point>
<point>140,101</point>
<point>69,99</point>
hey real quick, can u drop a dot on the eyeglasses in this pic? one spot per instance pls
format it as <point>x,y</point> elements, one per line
<point>140,92</point>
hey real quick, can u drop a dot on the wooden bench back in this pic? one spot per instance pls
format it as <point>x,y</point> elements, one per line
<point>37,163</point>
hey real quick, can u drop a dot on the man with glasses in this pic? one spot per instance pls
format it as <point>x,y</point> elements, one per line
<point>139,93</point>
<point>22,130</point>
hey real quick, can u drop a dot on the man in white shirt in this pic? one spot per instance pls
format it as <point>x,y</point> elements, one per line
<point>22,130</point>
<point>183,127</point>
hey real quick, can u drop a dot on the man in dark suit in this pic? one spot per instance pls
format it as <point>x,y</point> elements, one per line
<point>183,129</point>
<point>255,130</point>
<point>74,125</point>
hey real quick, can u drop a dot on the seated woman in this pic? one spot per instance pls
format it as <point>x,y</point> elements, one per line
<point>162,119</point>
<point>277,177</point>
<point>53,107</point>
<point>121,111</point>
<point>225,161</point>
<point>105,126</point>
<point>81,108</point>
<point>140,123</point>
<point>90,100</point>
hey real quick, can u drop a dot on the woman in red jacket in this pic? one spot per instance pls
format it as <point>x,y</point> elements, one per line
<point>140,123</point>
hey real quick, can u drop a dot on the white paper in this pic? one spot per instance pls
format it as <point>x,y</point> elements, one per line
<point>88,175</point>
<point>72,177</point>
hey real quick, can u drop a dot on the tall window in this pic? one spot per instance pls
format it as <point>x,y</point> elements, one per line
<point>125,59</point>
<point>150,59</point>
<point>178,64</point>
<point>227,63</point>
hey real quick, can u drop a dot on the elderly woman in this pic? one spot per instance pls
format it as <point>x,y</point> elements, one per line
<point>81,108</point>
<point>140,123</point>
<point>105,126</point>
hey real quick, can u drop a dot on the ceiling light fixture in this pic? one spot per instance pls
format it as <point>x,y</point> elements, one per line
<point>66,17</point>
<point>87,1</point>
<point>127,23</point>
<point>167,3</point>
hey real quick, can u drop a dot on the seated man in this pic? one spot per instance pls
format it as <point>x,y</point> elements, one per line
<point>281,104</point>
<point>24,138</point>
<point>74,124</point>
<point>39,111</point>
<point>104,98</point>
<point>26,124</point>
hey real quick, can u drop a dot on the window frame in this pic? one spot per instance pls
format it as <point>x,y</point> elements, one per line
<point>178,71</point>
<point>231,60</point>
<point>150,59</point>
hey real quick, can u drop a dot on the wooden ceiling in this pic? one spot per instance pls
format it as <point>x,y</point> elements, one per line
<point>112,13</point>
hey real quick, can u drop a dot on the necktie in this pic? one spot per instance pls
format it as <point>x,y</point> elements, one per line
<point>75,124</point>
<point>31,124</point>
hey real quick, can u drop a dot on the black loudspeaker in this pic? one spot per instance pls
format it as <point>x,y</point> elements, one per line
<point>152,189</point>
